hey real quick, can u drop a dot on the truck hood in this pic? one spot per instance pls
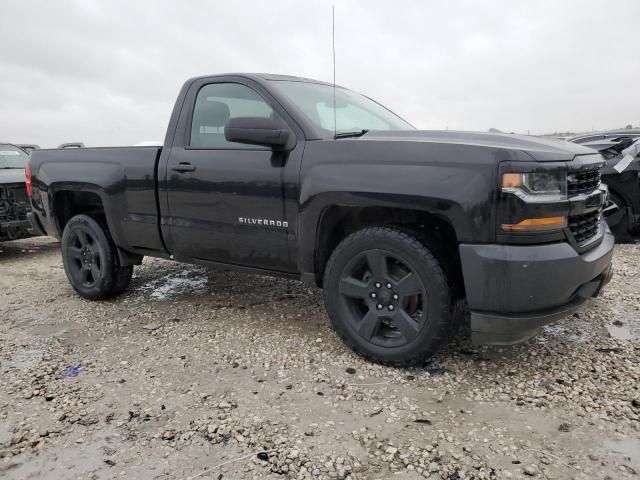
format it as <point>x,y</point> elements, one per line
<point>12,175</point>
<point>541,149</point>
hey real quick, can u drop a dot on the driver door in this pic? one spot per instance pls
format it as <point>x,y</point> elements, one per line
<point>226,201</point>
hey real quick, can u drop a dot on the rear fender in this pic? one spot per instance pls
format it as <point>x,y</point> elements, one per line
<point>110,190</point>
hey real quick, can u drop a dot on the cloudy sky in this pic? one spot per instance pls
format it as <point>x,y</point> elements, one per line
<point>106,72</point>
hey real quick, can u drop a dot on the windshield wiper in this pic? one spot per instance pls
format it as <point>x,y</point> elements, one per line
<point>351,134</point>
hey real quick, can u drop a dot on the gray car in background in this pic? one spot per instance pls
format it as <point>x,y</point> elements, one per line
<point>14,203</point>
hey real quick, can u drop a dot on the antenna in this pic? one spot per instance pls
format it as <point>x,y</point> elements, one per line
<point>333,42</point>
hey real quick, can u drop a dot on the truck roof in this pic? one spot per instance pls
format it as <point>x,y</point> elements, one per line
<point>267,76</point>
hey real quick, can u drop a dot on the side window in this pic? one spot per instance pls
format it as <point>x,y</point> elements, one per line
<point>215,104</point>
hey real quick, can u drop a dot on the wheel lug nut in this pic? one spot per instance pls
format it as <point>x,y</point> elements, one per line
<point>373,295</point>
<point>378,284</point>
<point>391,307</point>
<point>388,285</point>
<point>395,296</point>
<point>379,306</point>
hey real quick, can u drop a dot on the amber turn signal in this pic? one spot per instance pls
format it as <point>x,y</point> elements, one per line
<point>536,225</point>
<point>511,180</point>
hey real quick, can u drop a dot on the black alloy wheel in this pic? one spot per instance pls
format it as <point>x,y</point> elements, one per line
<point>383,298</point>
<point>85,264</point>
<point>91,260</point>
<point>388,297</point>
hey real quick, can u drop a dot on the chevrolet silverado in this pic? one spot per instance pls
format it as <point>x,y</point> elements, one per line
<point>403,229</point>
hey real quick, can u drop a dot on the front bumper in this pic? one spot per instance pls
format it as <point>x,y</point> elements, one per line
<point>15,229</point>
<point>514,290</point>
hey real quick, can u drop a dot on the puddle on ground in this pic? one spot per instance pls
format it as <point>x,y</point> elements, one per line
<point>628,317</point>
<point>78,460</point>
<point>39,324</point>
<point>24,359</point>
<point>565,331</point>
<point>49,330</point>
<point>5,434</point>
<point>628,448</point>
<point>26,247</point>
<point>27,316</point>
<point>189,279</point>
<point>620,332</point>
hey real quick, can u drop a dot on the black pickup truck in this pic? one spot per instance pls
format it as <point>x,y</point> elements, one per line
<point>286,176</point>
<point>14,203</point>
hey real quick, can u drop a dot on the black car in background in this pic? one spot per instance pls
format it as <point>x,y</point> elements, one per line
<point>14,202</point>
<point>623,215</point>
<point>605,140</point>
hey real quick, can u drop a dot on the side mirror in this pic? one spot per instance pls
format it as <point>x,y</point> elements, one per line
<point>256,131</point>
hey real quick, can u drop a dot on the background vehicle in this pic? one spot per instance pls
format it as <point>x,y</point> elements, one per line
<point>14,203</point>
<point>28,147</point>
<point>624,187</point>
<point>293,177</point>
<point>71,145</point>
<point>604,140</point>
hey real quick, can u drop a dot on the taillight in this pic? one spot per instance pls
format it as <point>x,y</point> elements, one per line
<point>27,174</point>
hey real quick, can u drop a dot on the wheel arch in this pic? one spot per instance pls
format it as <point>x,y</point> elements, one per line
<point>336,222</point>
<point>69,202</point>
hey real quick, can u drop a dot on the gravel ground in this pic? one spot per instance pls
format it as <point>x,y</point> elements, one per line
<point>217,375</point>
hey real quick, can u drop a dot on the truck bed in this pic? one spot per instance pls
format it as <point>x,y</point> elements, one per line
<point>124,178</point>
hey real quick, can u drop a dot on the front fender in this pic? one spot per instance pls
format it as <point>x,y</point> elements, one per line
<point>460,196</point>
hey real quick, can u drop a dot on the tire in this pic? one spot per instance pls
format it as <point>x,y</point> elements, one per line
<point>123,279</point>
<point>91,261</point>
<point>385,267</point>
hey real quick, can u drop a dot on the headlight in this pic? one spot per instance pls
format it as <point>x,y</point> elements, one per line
<point>536,187</point>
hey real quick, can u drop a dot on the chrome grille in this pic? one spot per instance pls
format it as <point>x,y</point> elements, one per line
<point>583,227</point>
<point>579,183</point>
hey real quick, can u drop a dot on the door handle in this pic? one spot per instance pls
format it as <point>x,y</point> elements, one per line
<point>184,167</point>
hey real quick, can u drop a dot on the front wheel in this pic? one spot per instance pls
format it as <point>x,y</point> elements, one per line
<point>91,260</point>
<point>387,296</point>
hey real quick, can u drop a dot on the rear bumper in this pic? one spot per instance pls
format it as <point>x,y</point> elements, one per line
<point>514,290</point>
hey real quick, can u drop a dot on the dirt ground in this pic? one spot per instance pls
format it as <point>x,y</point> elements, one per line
<point>198,374</point>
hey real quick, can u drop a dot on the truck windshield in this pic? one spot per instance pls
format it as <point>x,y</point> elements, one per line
<point>353,112</point>
<point>12,157</point>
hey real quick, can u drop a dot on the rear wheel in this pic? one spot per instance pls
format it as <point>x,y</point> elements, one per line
<point>388,297</point>
<point>91,260</point>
